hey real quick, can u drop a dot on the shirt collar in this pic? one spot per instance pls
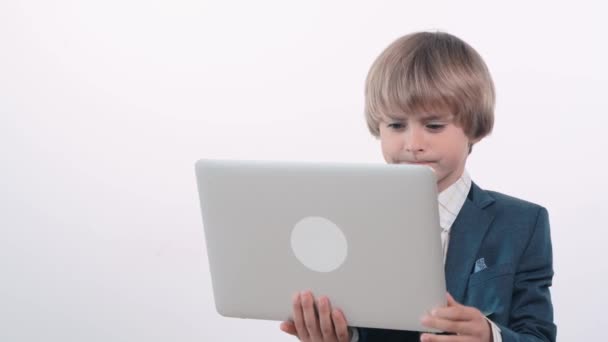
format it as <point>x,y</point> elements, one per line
<point>452,199</point>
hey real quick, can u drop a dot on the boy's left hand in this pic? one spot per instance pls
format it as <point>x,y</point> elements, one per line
<point>466,322</point>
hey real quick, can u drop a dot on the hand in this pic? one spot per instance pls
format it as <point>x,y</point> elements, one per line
<point>326,326</point>
<point>468,323</point>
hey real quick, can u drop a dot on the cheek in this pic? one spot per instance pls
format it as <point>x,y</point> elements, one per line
<point>385,152</point>
<point>455,145</point>
<point>457,152</point>
<point>389,148</point>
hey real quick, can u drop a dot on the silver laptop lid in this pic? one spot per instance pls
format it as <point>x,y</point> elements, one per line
<point>365,235</point>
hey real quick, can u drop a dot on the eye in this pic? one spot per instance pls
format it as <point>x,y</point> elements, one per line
<point>396,125</point>
<point>435,127</point>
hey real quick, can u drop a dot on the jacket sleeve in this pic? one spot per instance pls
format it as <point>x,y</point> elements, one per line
<point>531,314</point>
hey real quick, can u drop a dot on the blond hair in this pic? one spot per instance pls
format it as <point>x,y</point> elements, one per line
<point>428,71</point>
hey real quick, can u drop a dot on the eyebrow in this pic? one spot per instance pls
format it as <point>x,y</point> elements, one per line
<point>423,116</point>
<point>436,116</point>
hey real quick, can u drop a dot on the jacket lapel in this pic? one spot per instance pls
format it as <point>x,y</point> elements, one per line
<point>466,236</point>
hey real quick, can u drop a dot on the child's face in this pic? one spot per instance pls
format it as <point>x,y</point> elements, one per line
<point>428,139</point>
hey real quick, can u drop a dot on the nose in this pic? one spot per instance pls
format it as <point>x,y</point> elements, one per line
<point>414,140</point>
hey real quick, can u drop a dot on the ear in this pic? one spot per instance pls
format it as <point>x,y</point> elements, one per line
<point>473,141</point>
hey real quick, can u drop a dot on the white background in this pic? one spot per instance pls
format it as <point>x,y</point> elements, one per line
<point>106,105</point>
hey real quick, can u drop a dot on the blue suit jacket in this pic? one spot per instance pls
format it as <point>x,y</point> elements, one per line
<point>512,236</point>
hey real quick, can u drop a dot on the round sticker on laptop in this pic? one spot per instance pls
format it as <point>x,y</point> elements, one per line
<point>319,244</point>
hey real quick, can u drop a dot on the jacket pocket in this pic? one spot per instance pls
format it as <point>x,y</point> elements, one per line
<point>490,291</point>
<point>490,273</point>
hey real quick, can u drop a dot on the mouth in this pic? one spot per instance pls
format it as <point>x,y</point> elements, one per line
<point>418,162</point>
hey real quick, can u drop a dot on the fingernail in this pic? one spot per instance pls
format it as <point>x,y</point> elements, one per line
<point>434,312</point>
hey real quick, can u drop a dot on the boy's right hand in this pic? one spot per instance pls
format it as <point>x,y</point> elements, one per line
<point>329,325</point>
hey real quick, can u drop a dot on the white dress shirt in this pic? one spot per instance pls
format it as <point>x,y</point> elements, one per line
<point>451,201</point>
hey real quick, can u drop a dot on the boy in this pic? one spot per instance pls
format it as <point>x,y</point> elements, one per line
<point>429,98</point>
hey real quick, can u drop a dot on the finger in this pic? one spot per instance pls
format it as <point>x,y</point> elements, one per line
<point>340,325</point>
<point>457,327</point>
<point>298,317</point>
<point>311,321</point>
<point>451,300</point>
<point>455,313</point>
<point>327,326</point>
<point>289,327</point>
<point>443,338</point>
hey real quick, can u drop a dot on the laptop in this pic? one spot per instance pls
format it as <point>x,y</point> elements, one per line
<point>365,235</point>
